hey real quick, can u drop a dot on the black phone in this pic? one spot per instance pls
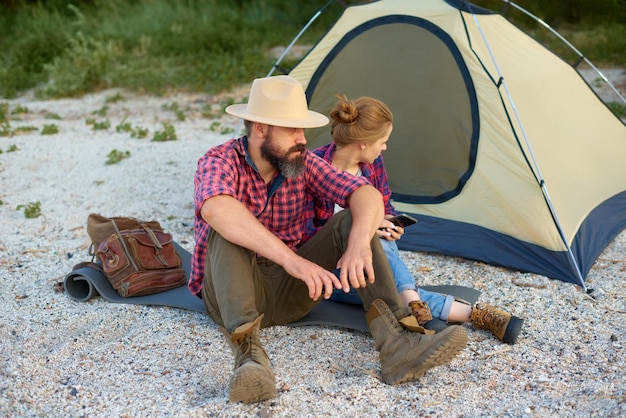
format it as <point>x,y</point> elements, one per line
<point>403,220</point>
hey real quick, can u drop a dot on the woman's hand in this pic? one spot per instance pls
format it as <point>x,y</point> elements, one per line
<point>389,231</point>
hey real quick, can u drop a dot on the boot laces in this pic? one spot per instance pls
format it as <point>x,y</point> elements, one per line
<point>421,311</point>
<point>489,319</point>
<point>251,350</point>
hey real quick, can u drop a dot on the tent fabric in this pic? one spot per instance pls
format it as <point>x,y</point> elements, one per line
<point>499,147</point>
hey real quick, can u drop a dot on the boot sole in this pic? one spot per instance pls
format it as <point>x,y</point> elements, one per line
<point>251,382</point>
<point>435,356</point>
<point>512,330</point>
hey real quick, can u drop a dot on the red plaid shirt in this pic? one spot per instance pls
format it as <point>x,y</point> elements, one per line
<point>320,211</point>
<point>227,170</point>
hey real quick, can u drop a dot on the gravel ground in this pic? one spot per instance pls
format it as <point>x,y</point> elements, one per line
<point>59,357</point>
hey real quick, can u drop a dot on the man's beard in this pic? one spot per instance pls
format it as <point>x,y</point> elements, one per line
<point>288,167</point>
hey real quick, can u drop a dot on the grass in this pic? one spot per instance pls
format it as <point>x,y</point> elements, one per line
<point>63,48</point>
<point>602,45</point>
<point>151,45</point>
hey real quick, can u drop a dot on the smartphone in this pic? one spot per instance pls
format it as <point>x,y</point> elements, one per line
<point>403,220</point>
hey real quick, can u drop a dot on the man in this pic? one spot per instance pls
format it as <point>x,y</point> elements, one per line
<point>248,265</point>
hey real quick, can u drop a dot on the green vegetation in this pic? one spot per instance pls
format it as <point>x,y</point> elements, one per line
<point>98,126</point>
<point>562,12</point>
<point>65,48</point>
<point>174,107</point>
<point>115,156</point>
<point>135,132</point>
<point>596,29</point>
<point>24,129</point>
<point>5,124</point>
<point>223,130</point>
<point>101,112</point>
<point>115,98</point>
<point>31,210</point>
<point>52,116</point>
<point>50,129</point>
<point>167,134</point>
<point>618,108</point>
<point>4,111</point>
<point>19,110</point>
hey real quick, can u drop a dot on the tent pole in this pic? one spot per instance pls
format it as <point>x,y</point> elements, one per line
<point>291,44</point>
<point>570,254</point>
<point>544,189</point>
<point>566,42</point>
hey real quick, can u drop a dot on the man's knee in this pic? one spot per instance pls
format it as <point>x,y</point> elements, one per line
<point>341,221</point>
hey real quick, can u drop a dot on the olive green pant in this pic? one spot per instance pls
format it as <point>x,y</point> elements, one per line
<point>239,285</point>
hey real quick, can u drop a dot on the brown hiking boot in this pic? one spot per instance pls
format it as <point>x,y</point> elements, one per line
<point>404,355</point>
<point>252,379</point>
<point>503,325</point>
<point>421,311</point>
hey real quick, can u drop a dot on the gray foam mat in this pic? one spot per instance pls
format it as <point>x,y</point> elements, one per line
<point>86,282</point>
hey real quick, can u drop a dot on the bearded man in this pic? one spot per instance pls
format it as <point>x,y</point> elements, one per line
<point>250,266</point>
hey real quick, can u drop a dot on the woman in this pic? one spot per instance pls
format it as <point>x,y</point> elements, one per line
<point>360,132</point>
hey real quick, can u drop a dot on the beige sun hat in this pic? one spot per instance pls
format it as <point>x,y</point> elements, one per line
<point>278,101</point>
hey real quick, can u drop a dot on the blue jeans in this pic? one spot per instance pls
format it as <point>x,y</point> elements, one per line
<point>438,303</point>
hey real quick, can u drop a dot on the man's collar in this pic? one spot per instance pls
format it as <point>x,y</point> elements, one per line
<point>244,141</point>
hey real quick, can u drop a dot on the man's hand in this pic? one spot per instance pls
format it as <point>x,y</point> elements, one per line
<point>235,223</point>
<point>366,206</point>
<point>356,267</point>
<point>317,279</point>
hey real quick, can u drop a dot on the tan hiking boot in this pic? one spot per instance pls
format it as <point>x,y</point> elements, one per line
<point>421,311</point>
<point>503,325</point>
<point>252,379</point>
<point>405,355</point>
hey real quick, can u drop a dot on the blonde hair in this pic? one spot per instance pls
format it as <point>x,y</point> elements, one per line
<point>363,120</point>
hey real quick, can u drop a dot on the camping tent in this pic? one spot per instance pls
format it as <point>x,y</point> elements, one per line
<point>499,147</point>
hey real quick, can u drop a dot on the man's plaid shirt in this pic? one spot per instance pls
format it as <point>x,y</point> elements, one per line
<point>227,170</point>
